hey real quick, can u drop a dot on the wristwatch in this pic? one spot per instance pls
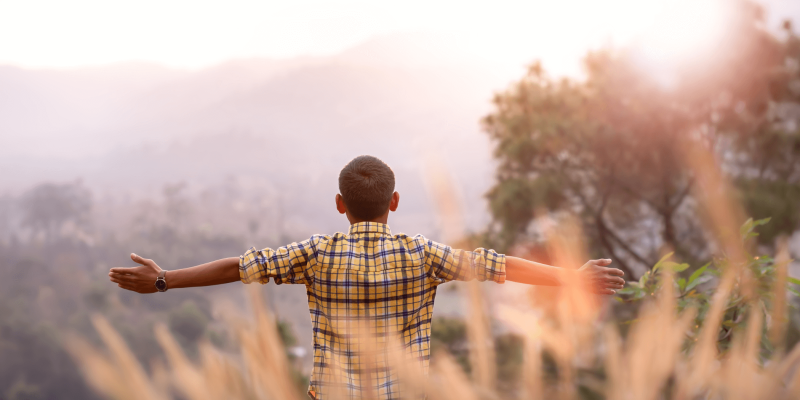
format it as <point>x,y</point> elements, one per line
<point>161,282</point>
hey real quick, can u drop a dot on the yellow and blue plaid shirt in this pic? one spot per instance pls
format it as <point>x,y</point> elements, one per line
<point>368,276</point>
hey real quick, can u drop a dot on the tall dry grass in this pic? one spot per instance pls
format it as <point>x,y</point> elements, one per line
<point>656,360</point>
<point>638,368</point>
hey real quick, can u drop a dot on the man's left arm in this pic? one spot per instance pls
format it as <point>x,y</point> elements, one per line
<point>446,264</point>
<point>595,274</point>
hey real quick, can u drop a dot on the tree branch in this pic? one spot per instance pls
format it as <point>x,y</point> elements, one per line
<point>636,194</point>
<point>682,195</point>
<point>603,229</point>
<point>627,248</point>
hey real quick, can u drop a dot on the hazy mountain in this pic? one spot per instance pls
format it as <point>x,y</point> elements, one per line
<point>129,129</point>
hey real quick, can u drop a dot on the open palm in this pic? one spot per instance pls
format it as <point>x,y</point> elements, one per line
<point>139,279</point>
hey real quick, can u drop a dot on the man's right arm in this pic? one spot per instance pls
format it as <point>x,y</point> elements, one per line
<point>141,279</point>
<point>288,264</point>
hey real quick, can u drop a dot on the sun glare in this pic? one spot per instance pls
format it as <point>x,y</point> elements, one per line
<point>684,29</point>
<point>504,33</point>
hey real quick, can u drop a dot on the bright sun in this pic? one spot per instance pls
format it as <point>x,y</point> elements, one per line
<point>685,28</point>
<point>193,34</point>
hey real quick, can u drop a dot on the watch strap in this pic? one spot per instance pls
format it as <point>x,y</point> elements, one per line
<point>162,275</point>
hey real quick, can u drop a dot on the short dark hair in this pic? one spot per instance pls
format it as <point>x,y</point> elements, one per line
<point>366,184</point>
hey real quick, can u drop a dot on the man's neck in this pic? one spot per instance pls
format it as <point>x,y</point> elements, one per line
<point>383,219</point>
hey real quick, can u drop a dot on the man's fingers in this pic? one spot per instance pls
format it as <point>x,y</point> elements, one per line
<point>139,260</point>
<point>606,291</point>
<point>614,271</point>
<point>127,287</point>
<point>615,280</point>
<point>125,271</point>
<point>121,278</point>
<point>610,285</point>
<point>615,286</point>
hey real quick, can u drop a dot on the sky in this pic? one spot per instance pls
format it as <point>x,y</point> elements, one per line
<point>193,34</point>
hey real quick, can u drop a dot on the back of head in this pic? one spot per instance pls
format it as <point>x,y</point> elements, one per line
<point>366,184</point>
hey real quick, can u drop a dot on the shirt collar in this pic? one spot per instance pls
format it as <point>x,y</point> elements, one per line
<point>367,227</point>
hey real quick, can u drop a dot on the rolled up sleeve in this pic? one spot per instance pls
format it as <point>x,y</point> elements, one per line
<point>288,264</point>
<point>445,264</point>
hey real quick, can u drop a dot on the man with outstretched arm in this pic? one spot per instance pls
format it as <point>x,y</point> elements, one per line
<point>367,274</point>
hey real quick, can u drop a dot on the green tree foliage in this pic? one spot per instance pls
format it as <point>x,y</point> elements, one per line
<point>765,144</point>
<point>33,363</point>
<point>509,349</point>
<point>611,148</point>
<point>289,341</point>
<point>450,335</point>
<point>695,288</point>
<point>287,336</point>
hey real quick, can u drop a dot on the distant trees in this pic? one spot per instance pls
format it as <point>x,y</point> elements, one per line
<point>188,321</point>
<point>46,293</point>
<point>450,335</point>
<point>48,207</point>
<point>611,149</point>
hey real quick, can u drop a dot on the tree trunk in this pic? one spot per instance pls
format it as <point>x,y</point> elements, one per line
<point>602,234</point>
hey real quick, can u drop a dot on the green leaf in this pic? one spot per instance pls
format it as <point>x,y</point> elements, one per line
<point>696,282</point>
<point>643,279</point>
<point>697,273</point>
<point>793,280</point>
<point>762,221</point>
<point>747,226</point>
<point>674,266</point>
<point>728,323</point>
<point>682,283</point>
<point>666,256</point>
<point>681,267</point>
<point>797,293</point>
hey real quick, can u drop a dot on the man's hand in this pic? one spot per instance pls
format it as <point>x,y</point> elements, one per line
<point>599,279</point>
<point>141,279</point>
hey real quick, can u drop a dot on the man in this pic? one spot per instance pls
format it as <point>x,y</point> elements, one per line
<point>366,277</point>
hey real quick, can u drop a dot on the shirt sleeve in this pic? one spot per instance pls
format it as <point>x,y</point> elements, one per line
<point>288,264</point>
<point>445,264</point>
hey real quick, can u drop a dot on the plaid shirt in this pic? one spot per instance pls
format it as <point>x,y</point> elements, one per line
<point>368,276</point>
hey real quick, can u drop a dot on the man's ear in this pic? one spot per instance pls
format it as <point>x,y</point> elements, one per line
<point>394,202</point>
<point>340,206</point>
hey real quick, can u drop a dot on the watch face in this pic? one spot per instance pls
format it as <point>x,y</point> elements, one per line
<point>161,284</point>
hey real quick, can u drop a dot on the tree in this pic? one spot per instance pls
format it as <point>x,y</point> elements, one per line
<point>764,144</point>
<point>611,149</point>
<point>47,207</point>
